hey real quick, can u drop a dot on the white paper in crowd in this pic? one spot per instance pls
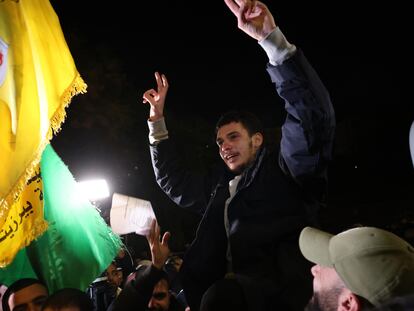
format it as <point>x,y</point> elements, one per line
<point>129,214</point>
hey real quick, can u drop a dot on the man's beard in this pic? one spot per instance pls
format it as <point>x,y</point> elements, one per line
<point>326,301</point>
<point>238,170</point>
<point>244,166</point>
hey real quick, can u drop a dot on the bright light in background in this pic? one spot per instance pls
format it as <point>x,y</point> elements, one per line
<point>94,189</point>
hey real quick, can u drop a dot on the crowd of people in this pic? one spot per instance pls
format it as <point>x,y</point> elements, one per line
<point>259,245</point>
<point>362,268</point>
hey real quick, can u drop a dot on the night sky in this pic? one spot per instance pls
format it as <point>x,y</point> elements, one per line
<point>360,54</point>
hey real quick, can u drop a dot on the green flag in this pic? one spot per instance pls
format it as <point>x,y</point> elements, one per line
<point>78,245</point>
<point>19,268</point>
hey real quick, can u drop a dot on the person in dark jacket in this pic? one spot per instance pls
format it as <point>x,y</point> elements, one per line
<point>68,299</point>
<point>148,289</point>
<point>253,211</point>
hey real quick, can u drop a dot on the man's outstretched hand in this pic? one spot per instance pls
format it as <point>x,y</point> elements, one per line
<point>159,248</point>
<point>156,98</point>
<point>253,17</point>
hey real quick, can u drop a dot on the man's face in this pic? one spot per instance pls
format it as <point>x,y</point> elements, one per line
<point>327,287</point>
<point>176,262</point>
<point>236,147</point>
<point>3,288</point>
<point>160,300</point>
<point>114,276</point>
<point>30,298</point>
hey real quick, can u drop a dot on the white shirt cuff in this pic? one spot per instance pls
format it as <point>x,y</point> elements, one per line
<point>277,48</point>
<point>157,131</point>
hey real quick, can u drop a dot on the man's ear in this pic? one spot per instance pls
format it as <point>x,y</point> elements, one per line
<point>257,140</point>
<point>348,301</point>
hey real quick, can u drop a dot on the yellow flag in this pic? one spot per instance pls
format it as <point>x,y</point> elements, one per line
<point>38,78</point>
<point>24,220</point>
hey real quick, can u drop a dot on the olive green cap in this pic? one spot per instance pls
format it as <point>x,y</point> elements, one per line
<point>373,263</point>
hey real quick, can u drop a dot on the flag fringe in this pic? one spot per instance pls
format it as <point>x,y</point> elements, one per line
<point>78,86</point>
<point>40,227</point>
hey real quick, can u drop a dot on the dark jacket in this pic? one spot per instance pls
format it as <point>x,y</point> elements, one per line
<point>276,197</point>
<point>137,293</point>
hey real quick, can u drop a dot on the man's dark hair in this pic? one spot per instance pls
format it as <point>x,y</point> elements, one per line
<point>249,121</point>
<point>16,286</point>
<point>69,297</point>
<point>115,263</point>
<point>163,275</point>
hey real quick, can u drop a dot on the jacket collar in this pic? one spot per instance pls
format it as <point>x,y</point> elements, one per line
<point>251,171</point>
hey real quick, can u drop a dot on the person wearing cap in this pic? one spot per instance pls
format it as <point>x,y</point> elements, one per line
<point>358,268</point>
<point>25,294</point>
